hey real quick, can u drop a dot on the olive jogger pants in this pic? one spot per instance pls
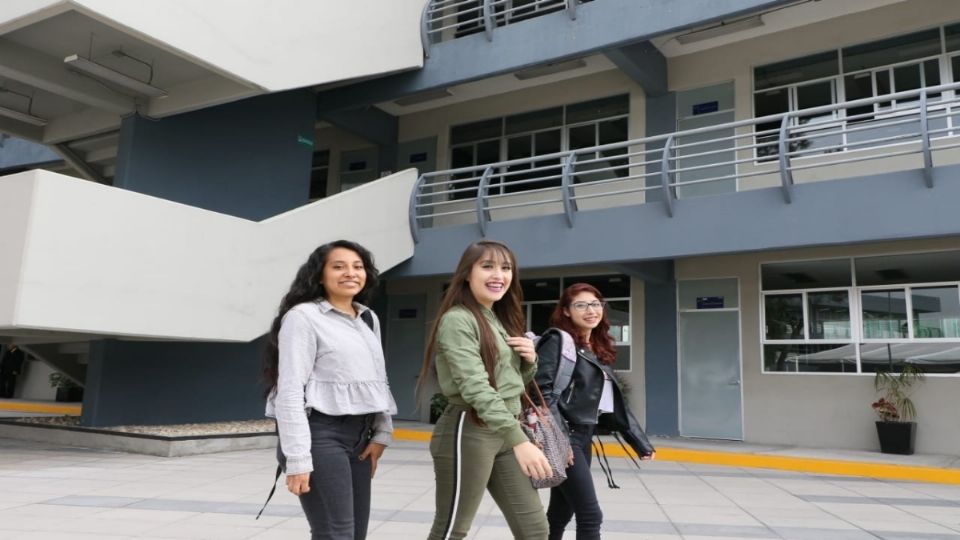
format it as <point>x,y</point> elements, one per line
<point>468,459</point>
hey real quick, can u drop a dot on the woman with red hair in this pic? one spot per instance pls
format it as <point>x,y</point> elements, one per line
<point>590,396</point>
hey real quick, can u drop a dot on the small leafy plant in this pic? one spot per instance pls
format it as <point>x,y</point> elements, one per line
<point>59,380</point>
<point>895,404</point>
<point>438,402</point>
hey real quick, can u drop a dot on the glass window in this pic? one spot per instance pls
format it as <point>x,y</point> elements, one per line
<point>598,108</point>
<point>913,268</point>
<point>319,170</point>
<point>892,50</point>
<point>929,357</point>
<point>610,286</point>
<point>859,86</point>
<point>618,312</point>
<point>815,95</point>
<point>783,316</point>
<point>831,273</point>
<point>884,313</point>
<point>828,315</point>
<point>835,358</point>
<point>546,289</point>
<point>952,33</point>
<point>534,121</point>
<point>936,312</point>
<point>816,66</point>
<point>476,131</point>
<point>539,319</point>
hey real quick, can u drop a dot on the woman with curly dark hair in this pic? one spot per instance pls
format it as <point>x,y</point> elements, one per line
<point>327,387</point>
<point>589,396</point>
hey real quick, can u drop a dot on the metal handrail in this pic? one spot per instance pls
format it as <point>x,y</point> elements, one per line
<point>443,20</point>
<point>923,125</point>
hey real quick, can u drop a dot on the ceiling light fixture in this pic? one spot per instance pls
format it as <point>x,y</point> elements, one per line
<point>26,117</point>
<point>106,74</point>
<point>721,29</point>
<point>550,69</point>
<point>423,97</point>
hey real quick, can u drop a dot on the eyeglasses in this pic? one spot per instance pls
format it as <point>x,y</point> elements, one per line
<point>582,306</point>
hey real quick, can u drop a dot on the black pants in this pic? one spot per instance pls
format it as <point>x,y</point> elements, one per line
<point>338,503</point>
<point>577,494</point>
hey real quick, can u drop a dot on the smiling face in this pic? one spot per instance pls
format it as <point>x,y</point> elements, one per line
<point>490,278</point>
<point>587,319</point>
<point>343,274</point>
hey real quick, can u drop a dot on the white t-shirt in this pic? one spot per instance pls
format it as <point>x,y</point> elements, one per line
<point>606,398</point>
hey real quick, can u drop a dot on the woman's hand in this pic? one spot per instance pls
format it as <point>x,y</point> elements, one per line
<point>373,451</point>
<point>532,461</point>
<point>298,484</point>
<point>649,457</point>
<point>524,347</point>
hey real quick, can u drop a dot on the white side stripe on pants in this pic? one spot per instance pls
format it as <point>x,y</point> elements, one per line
<point>458,466</point>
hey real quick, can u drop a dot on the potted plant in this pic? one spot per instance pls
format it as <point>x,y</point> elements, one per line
<point>896,429</point>
<point>438,402</point>
<point>67,389</point>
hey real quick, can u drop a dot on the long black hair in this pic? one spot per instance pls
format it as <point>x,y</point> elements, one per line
<point>308,287</point>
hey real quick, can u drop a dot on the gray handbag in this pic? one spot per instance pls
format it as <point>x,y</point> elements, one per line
<point>545,432</point>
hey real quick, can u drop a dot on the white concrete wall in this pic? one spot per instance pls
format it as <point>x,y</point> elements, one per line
<point>823,410</point>
<point>275,45</point>
<point>108,261</point>
<point>34,383</point>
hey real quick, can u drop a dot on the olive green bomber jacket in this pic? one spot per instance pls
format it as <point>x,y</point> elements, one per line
<point>463,378</point>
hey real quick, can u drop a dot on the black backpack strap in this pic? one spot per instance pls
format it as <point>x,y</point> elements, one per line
<point>626,450</point>
<point>367,317</point>
<point>272,491</point>
<point>604,463</point>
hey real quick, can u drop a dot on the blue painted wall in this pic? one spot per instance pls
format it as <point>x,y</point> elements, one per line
<point>249,159</point>
<point>660,350</point>
<point>169,383</point>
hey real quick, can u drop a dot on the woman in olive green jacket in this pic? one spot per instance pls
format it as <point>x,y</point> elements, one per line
<point>482,365</point>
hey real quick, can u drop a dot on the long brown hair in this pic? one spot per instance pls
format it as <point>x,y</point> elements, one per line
<point>508,309</point>
<point>600,340</point>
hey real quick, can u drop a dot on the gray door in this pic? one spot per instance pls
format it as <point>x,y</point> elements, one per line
<point>709,336</point>
<point>704,107</point>
<point>404,349</point>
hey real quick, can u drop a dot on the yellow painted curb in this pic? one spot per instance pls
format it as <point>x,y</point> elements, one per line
<point>412,435</point>
<point>45,408</point>
<point>784,463</point>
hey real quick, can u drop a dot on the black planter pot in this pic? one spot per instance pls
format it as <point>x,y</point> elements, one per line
<point>897,437</point>
<point>69,394</point>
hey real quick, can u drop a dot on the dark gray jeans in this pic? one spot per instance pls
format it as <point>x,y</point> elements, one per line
<point>338,503</point>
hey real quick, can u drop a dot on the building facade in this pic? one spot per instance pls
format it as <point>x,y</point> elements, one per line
<point>763,190</point>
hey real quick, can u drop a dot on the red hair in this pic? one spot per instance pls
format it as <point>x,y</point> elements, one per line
<point>600,341</point>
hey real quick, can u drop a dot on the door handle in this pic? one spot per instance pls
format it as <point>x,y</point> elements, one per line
<point>735,382</point>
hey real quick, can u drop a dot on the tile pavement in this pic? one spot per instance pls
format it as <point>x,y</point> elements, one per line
<point>56,492</point>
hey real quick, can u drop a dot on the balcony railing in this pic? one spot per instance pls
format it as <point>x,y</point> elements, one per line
<point>449,19</point>
<point>906,130</point>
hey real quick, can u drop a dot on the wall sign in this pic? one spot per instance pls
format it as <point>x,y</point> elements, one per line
<point>706,107</point>
<point>709,302</point>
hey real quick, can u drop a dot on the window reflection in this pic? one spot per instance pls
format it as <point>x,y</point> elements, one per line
<point>837,358</point>
<point>936,312</point>
<point>928,357</point>
<point>884,314</point>
<point>829,315</point>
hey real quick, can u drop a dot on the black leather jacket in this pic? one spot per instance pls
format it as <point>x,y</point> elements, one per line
<point>578,403</point>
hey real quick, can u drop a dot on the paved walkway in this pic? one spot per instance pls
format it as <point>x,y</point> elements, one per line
<point>53,492</point>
